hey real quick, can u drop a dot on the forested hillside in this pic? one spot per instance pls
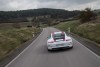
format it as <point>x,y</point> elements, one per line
<point>22,14</point>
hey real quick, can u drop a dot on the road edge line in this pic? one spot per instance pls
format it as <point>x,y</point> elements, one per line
<point>88,49</point>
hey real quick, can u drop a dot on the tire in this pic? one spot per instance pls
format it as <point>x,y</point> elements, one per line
<point>71,47</point>
<point>49,49</point>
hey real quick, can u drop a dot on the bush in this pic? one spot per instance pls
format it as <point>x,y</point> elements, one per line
<point>87,15</point>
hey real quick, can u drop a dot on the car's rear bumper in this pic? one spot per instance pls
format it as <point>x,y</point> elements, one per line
<point>60,47</point>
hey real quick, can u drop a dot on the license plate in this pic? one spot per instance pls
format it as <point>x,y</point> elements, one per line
<point>59,44</point>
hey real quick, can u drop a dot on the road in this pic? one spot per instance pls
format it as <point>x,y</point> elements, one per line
<point>36,55</point>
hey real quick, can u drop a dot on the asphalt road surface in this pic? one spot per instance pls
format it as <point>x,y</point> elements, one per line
<point>36,55</point>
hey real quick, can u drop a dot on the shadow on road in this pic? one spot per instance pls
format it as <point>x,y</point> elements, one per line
<point>60,50</point>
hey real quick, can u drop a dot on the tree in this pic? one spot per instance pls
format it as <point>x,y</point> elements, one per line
<point>87,15</point>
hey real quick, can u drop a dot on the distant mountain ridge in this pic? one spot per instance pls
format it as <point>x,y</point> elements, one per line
<point>54,13</point>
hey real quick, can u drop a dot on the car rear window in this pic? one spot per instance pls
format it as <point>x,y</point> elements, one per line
<point>58,36</point>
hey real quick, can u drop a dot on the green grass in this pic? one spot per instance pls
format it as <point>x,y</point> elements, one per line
<point>90,31</point>
<point>10,39</point>
<point>87,30</point>
<point>65,25</point>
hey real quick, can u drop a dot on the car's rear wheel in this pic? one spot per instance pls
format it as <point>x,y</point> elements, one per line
<point>48,49</point>
<point>71,47</point>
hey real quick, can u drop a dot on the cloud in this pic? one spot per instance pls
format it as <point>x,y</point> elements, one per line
<point>92,5</point>
<point>10,5</point>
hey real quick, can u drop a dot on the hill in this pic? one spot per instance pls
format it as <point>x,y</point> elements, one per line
<point>23,14</point>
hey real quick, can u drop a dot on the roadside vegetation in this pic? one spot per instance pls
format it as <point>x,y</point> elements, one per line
<point>87,30</point>
<point>88,25</point>
<point>11,39</point>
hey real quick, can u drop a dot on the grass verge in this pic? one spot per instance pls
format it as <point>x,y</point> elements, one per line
<point>11,39</point>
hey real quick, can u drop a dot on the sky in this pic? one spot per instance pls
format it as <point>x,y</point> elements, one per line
<point>13,5</point>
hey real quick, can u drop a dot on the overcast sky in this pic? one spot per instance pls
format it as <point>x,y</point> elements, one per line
<point>12,5</point>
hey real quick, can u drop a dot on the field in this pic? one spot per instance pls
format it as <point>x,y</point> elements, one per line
<point>12,38</point>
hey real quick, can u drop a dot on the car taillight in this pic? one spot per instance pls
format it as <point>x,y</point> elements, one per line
<point>51,42</point>
<point>68,39</point>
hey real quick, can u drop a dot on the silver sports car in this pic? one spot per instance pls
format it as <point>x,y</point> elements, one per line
<point>58,40</point>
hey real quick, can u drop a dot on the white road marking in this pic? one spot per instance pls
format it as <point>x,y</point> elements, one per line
<point>88,49</point>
